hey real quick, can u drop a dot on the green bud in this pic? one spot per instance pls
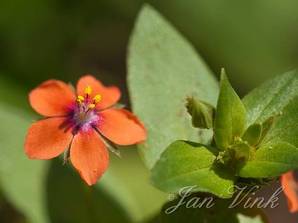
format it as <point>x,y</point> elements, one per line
<point>201,112</point>
<point>241,151</point>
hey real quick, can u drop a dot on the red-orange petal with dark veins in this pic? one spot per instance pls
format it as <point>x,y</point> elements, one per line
<point>89,156</point>
<point>110,95</point>
<point>52,98</point>
<point>121,127</point>
<point>47,139</point>
<point>290,188</point>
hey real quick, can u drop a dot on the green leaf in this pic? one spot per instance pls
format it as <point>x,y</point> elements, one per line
<point>22,180</point>
<point>267,126</point>
<point>253,134</point>
<point>185,164</point>
<point>163,70</point>
<point>276,104</point>
<point>271,160</point>
<point>271,98</point>
<point>201,113</point>
<point>285,127</point>
<point>230,118</point>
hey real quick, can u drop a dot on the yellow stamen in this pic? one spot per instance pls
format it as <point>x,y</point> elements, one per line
<point>97,98</point>
<point>88,90</point>
<point>80,99</point>
<point>91,106</point>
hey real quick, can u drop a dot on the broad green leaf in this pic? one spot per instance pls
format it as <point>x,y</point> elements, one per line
<point>286,125</point>
<point>230,118</point>
<point>202,208</point>
<point>253,134</point>
<point>163,70</point>
<point>22,180</point>
<point>185,164</point>
<point>267,126</point>
<point>271,160</point>
<point>271,98</point>
<point>276,104</point>
<point>201,113</point>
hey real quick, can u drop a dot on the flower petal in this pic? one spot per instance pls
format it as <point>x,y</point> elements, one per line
<point>52,98</point>
<point>89,156</point>
<point>290,188</point>
<point>47,139</point>
<point>121,127</point>
<point>110,95</point>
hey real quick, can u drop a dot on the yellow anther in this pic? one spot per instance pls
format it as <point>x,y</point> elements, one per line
<point>91,106</point>
<point>80,99</point>
<point>97,98</point>
<point>88,90</point>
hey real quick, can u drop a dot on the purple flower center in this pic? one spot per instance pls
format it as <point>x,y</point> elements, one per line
<point>84,119</point>
<point>83,115</point>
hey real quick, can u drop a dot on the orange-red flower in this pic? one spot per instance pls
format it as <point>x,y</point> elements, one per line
<point>290,188</point>
<point>80,122</point>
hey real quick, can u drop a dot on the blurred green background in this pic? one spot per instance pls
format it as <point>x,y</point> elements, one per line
<point>41,39</point>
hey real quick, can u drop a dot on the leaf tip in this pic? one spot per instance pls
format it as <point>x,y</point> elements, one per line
<point>223,74</point>
<point>146,8</point>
